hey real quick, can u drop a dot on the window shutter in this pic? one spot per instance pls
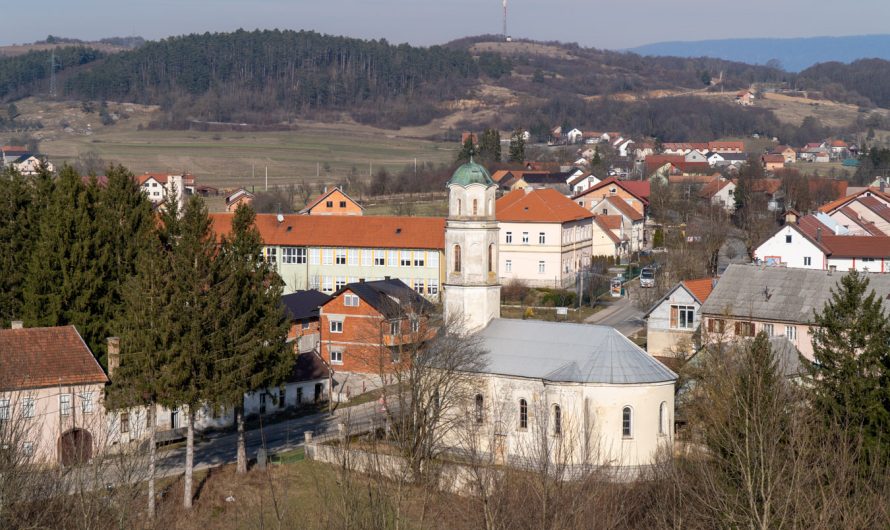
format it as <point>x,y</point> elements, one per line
<point>738,328</point>
<point>710,325</point>
<point>675,316</point>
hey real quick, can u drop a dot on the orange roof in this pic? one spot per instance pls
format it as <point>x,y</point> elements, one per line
<point>692,179</point>
<point>837,203</point>
<point>540,205</point>
<point>323,196</point>
<point>41,357</point>
<point>499,174</point>
<point>838,143</point>
<point>773,159</point>
<point>350,231</point>
<point>609,223</point>
<point>700,289</point>
<point>712,188</point>
<point>626,209</point>
<point>713,146</point>
<point>766,185</point>
<point>612,180</point>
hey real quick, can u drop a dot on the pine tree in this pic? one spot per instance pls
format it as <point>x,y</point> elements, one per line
<point>196,299</point>
<point>467,151</point>
<point>490,146</point>
<point>21,209</point>
<point>147,340</point>
<point>851,375</point>
<point>517,146</point>
<point>252,325</point>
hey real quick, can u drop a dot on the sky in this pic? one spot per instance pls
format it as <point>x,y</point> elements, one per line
<point>602,24</point>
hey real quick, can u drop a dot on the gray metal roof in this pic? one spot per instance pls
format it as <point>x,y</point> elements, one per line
<point>576,353</point>
<point>780,294</point>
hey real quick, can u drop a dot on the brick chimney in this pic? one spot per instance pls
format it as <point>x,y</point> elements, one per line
<point>17,324</point>
<point>114,355</point>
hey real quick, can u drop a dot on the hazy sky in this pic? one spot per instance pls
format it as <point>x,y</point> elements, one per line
<point>603,24</point>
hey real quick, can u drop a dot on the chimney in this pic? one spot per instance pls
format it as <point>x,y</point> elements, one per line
<point>17,324</point>
<point>386,278</point>
<point>114,355</point>
<point>818,233</point>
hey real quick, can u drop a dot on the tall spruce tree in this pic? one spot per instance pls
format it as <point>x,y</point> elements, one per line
<point>196,299</point>
<point>517,146</point>
<point>490,146</point>
<point>21,209</point>
<point>252,325</point>
<point>851,382</point>
<point>145,327</point>
<point>467,151</point>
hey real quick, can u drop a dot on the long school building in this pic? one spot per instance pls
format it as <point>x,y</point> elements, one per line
<point>328,252</point>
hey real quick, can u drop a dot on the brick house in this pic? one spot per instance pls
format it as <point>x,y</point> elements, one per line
<point>368,327</point>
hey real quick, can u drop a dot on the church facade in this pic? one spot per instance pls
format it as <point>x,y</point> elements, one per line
<point>579,396</point>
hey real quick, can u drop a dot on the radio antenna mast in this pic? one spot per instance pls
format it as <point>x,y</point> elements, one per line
<point>505,19</point>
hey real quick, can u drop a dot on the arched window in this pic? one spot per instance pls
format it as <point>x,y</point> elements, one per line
<point>459,209</point>
<point>456,258</point>
<point>663,418</point>
<point>480,404</point>
<point>491,257</point>
<point>627,422</point>
<point>523,414</point>
<point>475,207</point>
<point>557,420</point>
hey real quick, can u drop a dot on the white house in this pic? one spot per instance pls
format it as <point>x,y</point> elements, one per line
<point>614,205</point>
<point>158,187</point>
<point>696,157</point>
<point>574,136</point>
<point>721,192</point>
<point>587,391</point>
<point>671,323</point>
<point>545,238</point>
<point>819,242</point>
<point>30,164</point>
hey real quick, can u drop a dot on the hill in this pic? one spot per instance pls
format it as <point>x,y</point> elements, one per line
<point>794,54</point>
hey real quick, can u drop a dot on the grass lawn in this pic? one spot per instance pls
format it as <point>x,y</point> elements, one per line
<point>549,314</point>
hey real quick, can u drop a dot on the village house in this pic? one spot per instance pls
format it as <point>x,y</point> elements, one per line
<point>51,395</point>
<point>236,199</point>
<point>720,192</point>
<point>29,165</point>
<point>672,322</point>
<point>582,182</point>
<point>819,242</point>
<point>367,327</point>
<point>333,202</point>
<point>773,162</point>
<point>302,308</point>
<point>610,237</point>
<point>778,301</point>
<point>683,148</point>
<point>326,252</point>
<point>545,238</point>
<point>10,153</point>
<point>786,151</point>
<point>863,212</point>
<point>727,146</point>
<point>158,187</point>
<point>306,384</point>
<point>588,387</point>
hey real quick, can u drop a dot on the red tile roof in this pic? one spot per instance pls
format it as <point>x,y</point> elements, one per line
<point>640,188</point>
<point>773,159</point>
<point>540,205</point>
<point>734,145</point>
<point>41,357</point>
<point>857,246</point>
<point>700,289</point>
<point>769,186</point>
<point>654,162</point>
<point>692,179</point>
<point>838,143</point>
<point>187,178</point>
<point>609,223</point>
<point>838,203</point>
<point>351,231</point>
<point>682,146</point>
<point>625,209</point>
<point>612,180</point>
<point>868,226</point>
<point>712,188</point>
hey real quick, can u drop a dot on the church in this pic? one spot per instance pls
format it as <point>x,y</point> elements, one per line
<point>581,396</point>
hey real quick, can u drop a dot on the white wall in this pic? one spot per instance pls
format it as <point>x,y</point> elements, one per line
<point>792,254</point>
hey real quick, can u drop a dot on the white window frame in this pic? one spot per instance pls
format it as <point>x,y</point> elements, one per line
<point>508,265</point>
<point>327,284</point>
<point>685,316</point>
<point>791,332</point>
<point>627,425</point>
<point>807,261</point>
<point>433,259</point>
<point>525,238</point>
<point>327,256</point>
<point>340,256</point>
<point>353,257</point>
<point>509,237</point>
<point>395,327</point>
<point>542,238</point>
<point>86,403</point>
<point>405,258</point>
<point>419,258</point>
<point>542,267</point>
<point>432,287</point>
<point>336,356</point>
<point>335,326</point>
<point>4,409</point>
<point>28,449</point>
<point>350,300</point>
<point>28,407</point>
<point>379,258</point>
<point>339,283</point>
<point>271,254</point>
<point>768,329</point>
<point>393,260</point>
<point>314,256</point>
<point>65,404</point>
<point>367,258</point>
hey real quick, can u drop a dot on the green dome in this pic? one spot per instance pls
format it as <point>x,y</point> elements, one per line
<point>471,173</point>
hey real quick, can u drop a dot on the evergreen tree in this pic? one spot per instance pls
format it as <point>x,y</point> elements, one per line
<point>851,375</point>
<point>517,146</point>
<point>467,151</point>
<point>65,283</point>
<point>252,325</point>
<point>21,208</point>
<point>490,146</point>
<point>145,327</point>
<point>195,300</point>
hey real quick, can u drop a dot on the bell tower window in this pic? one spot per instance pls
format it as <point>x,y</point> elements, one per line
<point>459,212</point>
<point>490,256</point>
<point>456,258</point>
<point>475,207</point>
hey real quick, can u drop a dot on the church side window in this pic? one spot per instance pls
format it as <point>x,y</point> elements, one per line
<point>456,258</point>
<point>523,414</point>
<point>490,257</point>
<point>557,420</point>
<point>475,207</point>
<point>662,419</point>
<point>480,405</point>
<point>627,422</point>
<point>459,212</point>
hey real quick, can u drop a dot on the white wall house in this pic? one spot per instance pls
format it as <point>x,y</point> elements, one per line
<point>672,322</point>
<point>545,238</point>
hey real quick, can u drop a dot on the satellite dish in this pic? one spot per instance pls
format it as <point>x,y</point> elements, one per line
<point>280,218</point>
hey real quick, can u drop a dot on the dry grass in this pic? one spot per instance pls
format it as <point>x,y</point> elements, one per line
<point>314,151</point>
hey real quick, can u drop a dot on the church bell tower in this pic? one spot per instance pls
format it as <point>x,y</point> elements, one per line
<point>472,292</point>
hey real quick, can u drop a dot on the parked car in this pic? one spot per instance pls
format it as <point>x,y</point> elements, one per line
<point>647,277</point>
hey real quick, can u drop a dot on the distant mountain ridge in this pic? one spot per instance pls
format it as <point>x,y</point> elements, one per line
<point>793,54</point>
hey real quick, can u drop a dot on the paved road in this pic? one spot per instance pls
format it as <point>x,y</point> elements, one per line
<point>621,315</point>
<point>219,448</point>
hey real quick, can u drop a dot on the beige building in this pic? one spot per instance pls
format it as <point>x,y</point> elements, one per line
<point>545,238</point>
<point>672,323</point>
<point>51,395</point>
